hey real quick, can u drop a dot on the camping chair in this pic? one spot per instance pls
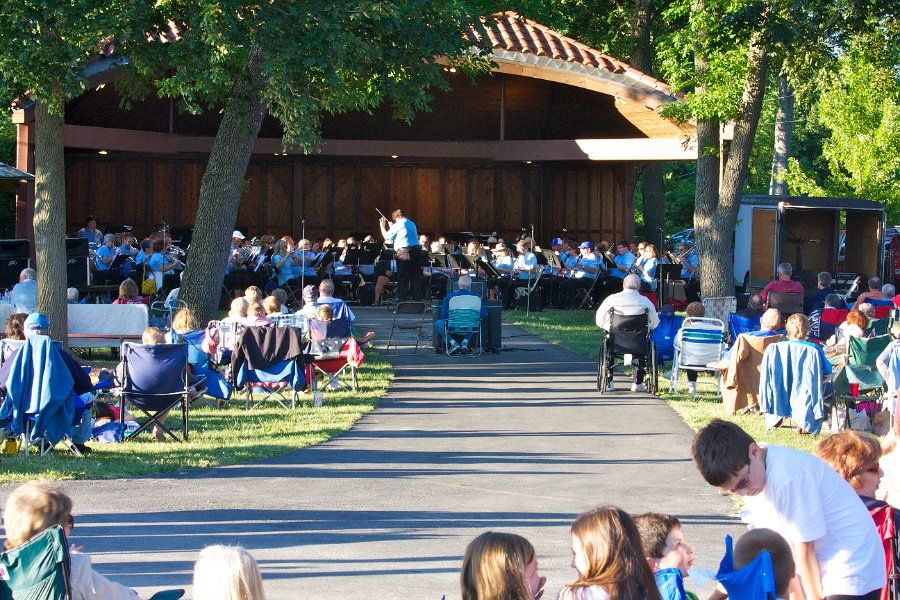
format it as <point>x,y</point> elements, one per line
<point>463,321</point>
<point>290,320</point>
<point>39,569</point>
<point>881,308</point>
<point>229,332</point>
<point>787,303</point>
<point>162,312</point>
<point>740,381</point>
<point>879,327</point>
<point>274,379</point>
<point>404,322</point>
<point>664,336</point>
<point>334,351</point>
<point>201,367</point>
<point>40,404</point>
<point>886,525</point>
<point>860,368</point>
<point>738,324</point>
<point>791,385</point>
<point>719,307</point>
<point>702,342</point>
<point>753,581</point>
<point>628,334</point>
<point>155,382</point>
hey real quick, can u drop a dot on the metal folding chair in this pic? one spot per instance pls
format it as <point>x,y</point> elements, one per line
<point>409,315</point>
<point>702,342</point>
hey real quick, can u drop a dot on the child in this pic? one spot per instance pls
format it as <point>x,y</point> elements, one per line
<point>836,547</point>
<point>607,554</point>
<point>755,541</point>
<point>227,573</point>
<point>238,312</point>
<point>667,552</point>
<point>500,566</point>
<point>256,315</point>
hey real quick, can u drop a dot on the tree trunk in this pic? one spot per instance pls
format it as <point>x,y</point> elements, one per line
<point>652,188</point>
<point>732,187</point>
<point>220,192</point>
<point>784,133</point>
<point>50,219</point>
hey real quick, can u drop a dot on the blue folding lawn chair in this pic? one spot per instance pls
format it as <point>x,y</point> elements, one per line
<point>155,382</point>
<point>753,581</point>
<point>664,336</point>
<point>738,324</point>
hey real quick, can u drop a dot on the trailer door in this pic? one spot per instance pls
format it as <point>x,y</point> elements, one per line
<point>864,245</point>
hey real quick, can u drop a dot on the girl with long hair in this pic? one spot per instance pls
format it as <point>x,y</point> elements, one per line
<point>500,566</point>
<point>609,559</point>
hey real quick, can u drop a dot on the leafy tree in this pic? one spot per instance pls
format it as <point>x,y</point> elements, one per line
<point>295,61</point>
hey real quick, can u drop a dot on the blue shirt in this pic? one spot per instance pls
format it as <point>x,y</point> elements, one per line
<point>285,271</point>
<point>648,267</point>
<point>24,296</point>
<point>826,364</point>
<point>527,261</point>
<point>590,260</point>
<point>692,260</point>
<point>504,264</point>
<point>139,257</point>
<point>403,234</point>
<point>623,262</point>
<point>307,259</point>
<point>104,252</point>
<point>156,262</point>
<point>671,584</point>
<point>94,238</point>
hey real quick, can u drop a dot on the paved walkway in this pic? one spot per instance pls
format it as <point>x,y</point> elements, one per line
<point>518,441</point>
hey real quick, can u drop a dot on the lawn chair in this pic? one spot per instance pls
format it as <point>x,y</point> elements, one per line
<point>334,351</point>
<point>664,336</point>
<point>463,321</point>
<point>409,315</point>
<point>719,307</point>
<point>885,523</point>
<point>229,332</point>
<point>740,382</point>
<point>40,403</point>
<point>202,368</point>
<point>702,342</point>
<point>275,376</point>
<point>879,327</point>
<point>738,324</point>
<point>753,581</point>
<point>787,303</point>
<point>39,569</point>
<point>881,308</point>
<point>162,312</point>
<point>155,381</point>
<point>290,320</point>
<point>860,368</point>
<point>791,385</point>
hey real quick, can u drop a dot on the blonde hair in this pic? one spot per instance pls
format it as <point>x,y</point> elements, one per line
<point>325,313</point>
<point>271,304</point>
<point>227,573</point>
<point>494,567</point>
<point>280,248</point>
<point>238,308</point>
<point>255,309</point>
<point>253,294</point>
<point>32,508</point>
<point>184,321</point>
<point>850,453</point>
<point>797,326</point>
<point>128,289</point>
<point>152,335</point>
<point>615,559</point>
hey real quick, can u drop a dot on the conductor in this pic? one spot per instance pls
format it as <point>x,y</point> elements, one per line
<point>405,238</point>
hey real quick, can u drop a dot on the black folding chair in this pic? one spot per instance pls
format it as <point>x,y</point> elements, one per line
<point>155,382</point>
<point>404,322</point>
<point>628,334</point>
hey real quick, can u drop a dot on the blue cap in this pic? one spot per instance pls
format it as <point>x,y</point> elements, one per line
<point>36,320</point>
<point>556,242</point>
<point>589,245</point>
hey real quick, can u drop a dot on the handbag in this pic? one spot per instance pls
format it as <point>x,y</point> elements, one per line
<point>148,286</point>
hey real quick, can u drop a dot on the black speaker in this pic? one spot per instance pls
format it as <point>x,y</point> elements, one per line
<point>492,327</point>
<point>77,266</point>
<point>14,256</point>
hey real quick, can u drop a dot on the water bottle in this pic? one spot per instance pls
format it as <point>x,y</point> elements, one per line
<point>317,398</point>
<point>700,576</point>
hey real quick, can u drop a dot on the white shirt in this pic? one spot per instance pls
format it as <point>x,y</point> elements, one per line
<point>626,302</point>
<point>591,592</point>
<point>807,501</point>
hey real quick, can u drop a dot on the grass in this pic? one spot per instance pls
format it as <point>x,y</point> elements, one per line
<point>577,331</point>
<point>217,437</point>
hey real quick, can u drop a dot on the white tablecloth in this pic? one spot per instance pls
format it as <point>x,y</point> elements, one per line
<point>105,320</point>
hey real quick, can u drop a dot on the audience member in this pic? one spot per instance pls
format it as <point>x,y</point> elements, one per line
<point>854,325</point>
<point>38,505</point>
<point>667,552</point>
<point>816,301</point>
<point>873,293</point>
<point>128,293</point>
<point>271,305</point>
<point>797,327</point>
<point>608,558</point>
<point>72,295</point>
<point>310,295</point>
<point>627,302</point>
<point>253,294</point>
<point>326,296</point>
<point>855,457</point>
<point>256,315</point>
<point>755,541</point>
<point>24,293</point>
<point>694,309</point>
<point>755,306</point>
<point>238,312</point>
<point>227,573</point>
<point>282,297</point>
<point>456,342</point>
<point>500,566</point>
<point>888,292</point>
<point>783,284</point>
<point>836,546</point>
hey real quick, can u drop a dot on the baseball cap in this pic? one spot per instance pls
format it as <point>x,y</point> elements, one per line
<point>589,245</point>
<point>36,321</point>
<point>237,234</point>
<point>556,242</point>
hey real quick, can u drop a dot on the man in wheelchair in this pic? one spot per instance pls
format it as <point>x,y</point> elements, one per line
<point>628,318</point>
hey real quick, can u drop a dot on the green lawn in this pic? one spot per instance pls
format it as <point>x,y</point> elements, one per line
<point>577,331</point>
<point>217,437</point>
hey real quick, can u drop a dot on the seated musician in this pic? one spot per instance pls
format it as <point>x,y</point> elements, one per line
<point>583,271</point>
<point>304,265</point>
<point>873,293</point>
<point>341,273</point>
<point>235,255</point>
<point>384,272</point>
<point>90,231</point>
<point>525,268</point>
<point>282,262</point>
<point>157,263</point>
<point>646,266</point>
<point>503,260</point>
<point>624,260</point>
<point>106,254</point>
<point>783,284</point>
<point>465,289</point>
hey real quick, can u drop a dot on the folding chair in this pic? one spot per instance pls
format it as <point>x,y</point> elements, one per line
<point>753,581</point>
<point>860,368</point>
<point>719,307</point>
<point>274,377</point>
<point>886,524</point>
<point>333,351</point>
<point>738,325</point>
<point>290,320</point>
<point>39,569</point>
<point>740,382</point>
<point>881,308</point>
<point>162,312</point>
<point>155,382</point>
<point>664,336</point>
<point>787,303</point>
<point>463,320</point>
<point>404,322</point>
<point>702,342</point>
<point>586,295</point>
<point>201,367</point>
<point>229,332</point>
<point>791,385</point>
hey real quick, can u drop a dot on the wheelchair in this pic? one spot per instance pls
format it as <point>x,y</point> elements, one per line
<point>628,334</point>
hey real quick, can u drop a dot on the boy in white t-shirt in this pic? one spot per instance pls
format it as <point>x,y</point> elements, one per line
<point>836,547</point>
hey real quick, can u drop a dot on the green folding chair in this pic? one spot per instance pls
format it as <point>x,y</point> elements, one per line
<point>38,569</point>
<point>860,368</point>
<point>879,327</point>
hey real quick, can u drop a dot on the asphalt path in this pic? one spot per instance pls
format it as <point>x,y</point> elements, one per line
<point>518,441</point>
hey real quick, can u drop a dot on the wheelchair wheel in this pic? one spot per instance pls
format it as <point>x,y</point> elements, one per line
<point>653,383</point>
<point>601,369</point>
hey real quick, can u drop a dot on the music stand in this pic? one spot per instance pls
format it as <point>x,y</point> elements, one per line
<point>488,268</point>
<point>438,259</point>
<point>664,275</point>
<point>552,258</point>
<point>118,261</point>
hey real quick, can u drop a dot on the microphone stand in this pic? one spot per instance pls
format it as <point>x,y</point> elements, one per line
<point>529,287</point>
<point>302,258</point>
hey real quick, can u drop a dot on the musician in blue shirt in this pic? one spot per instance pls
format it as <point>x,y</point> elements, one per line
<point>582,273</point>
<point>90,231</point>
<point>404,236</point>
<point>624,259</point>
<point>690,272</point>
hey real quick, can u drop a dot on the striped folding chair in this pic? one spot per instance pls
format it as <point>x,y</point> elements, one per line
<point>702,342</point>
<point>464,321</point>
